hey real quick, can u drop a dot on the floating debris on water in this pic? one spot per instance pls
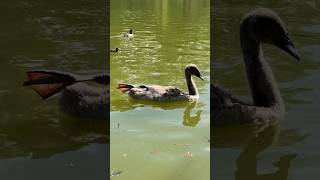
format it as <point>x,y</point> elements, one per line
<point>189,154</point>
<point>155,151</point>
<point>70,164</point>
<point>208,139</point>
<point>180,144</point>
<point>116,172</point>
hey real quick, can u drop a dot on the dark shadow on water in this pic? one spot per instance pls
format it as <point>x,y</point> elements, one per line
<point>247,162</point>
<point>255,140</point>
<point>37,139</point>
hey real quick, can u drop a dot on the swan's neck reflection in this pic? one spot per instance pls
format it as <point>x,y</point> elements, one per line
<point>247,161</point>
<point>189,120</point>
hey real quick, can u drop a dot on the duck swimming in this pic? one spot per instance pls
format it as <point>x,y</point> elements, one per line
<point>128,35</point>
<point>166,93</point>
<point>114,50</point>
<point>258,27</point>
<point>77,98</point>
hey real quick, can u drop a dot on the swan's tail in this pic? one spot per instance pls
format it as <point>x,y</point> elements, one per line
<point>48,83</point>
<point>125,87</point>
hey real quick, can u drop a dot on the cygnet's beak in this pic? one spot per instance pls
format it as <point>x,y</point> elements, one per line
<point>288,46</point>
<point>201,77</point>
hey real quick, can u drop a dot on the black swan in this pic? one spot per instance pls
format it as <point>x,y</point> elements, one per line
<point>259,26</point>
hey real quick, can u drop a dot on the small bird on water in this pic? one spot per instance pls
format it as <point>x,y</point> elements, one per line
<point>115,50</point>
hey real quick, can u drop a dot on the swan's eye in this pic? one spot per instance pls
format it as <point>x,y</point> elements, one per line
<point>142,86</point>
<point>286,34</point>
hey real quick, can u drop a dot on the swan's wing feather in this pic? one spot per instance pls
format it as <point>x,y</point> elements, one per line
<point>221,98</point>
<point>227,109</point>
<point>243,114</point>
<point>173,91</point>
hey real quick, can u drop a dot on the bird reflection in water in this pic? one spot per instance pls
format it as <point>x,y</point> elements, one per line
<point>256,140</point>
<point>189,120</point>
<point>247,162</point>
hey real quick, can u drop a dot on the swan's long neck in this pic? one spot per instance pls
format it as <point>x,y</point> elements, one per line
<point>264,88</point>
<point>191,85</point>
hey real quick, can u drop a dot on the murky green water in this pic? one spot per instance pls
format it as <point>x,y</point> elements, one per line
<point>290,150</point>
<point>162,141</point>
<point>37,141</point>
<point>159,141</point>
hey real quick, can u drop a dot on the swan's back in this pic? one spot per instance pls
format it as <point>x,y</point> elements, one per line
<point>227,109</point>
<point>223,99</point>
<point>242,114</point>
<point>220,98</point>
<point>158,93</point>
<point>82,100</point>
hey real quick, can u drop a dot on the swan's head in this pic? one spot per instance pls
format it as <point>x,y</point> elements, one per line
<point>193,69</point>
<point>130,31</point>
<point>265,26</point>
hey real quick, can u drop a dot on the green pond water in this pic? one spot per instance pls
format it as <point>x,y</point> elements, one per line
<point>37,141</point>
<point>151,140</point>
<point>291,149</point>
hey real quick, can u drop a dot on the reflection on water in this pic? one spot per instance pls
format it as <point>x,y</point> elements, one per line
<point>37,140</point>
<point>45,142</point>
<point>237,149</point>
<point>247,161</point>
<point>188,119</point>
<point>168,35</point>
<point>252,142</point>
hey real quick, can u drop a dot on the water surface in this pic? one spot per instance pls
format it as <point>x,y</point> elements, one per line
<point>152,140</point>
<point>37,141</point>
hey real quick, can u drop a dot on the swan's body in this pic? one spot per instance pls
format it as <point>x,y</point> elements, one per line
<point>85,101</point>
<point>128,35</point>
<point>160,93</point>
<point>165,93</point>
<point>259,26</point>
<point>77,98</point>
